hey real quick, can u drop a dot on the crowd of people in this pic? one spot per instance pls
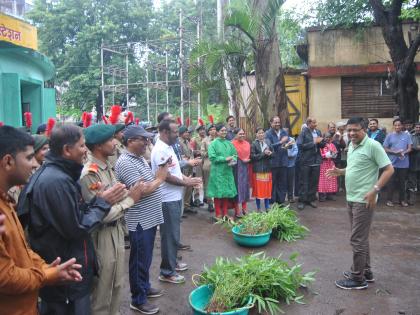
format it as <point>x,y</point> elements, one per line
<point>76,194</point>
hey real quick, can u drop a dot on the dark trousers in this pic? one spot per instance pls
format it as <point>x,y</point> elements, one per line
<point>77,307</point>
<point>309,177</point>
<point>297,179</point>
<point>279,190</point>
<point>398,183</point>
<point>290,182</point>
<point>170,235</point>
<point>360,222</point>
<point>141,254</point>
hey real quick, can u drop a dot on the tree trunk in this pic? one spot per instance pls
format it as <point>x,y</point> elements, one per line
<point>269,74</point>
<point>405,85</point>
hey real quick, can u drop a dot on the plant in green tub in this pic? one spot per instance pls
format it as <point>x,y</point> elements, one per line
<point>267,280</point>
<point>282,220</point>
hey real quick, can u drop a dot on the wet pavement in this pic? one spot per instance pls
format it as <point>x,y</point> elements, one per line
<point>395,258</point>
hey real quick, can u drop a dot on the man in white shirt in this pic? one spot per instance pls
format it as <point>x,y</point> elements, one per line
<point>172,195</point>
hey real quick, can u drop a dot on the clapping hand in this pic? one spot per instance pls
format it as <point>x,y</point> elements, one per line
<point>114,194</point>
<point>67,271</point>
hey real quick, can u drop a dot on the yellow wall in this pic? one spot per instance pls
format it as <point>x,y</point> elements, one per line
<point>348,47</point>
<point>17,32</point>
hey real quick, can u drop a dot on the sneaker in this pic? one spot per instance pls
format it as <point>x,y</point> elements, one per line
<point>349,284</point>
<point>154,293</point>
<point>190,210</point>
<point>177,279</point>
<point>181,266</point>
<point>301,206</point>
<point>145,308</point>
<point>368,276</point>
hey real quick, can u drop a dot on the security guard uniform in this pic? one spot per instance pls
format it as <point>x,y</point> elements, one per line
<point>108,239</point>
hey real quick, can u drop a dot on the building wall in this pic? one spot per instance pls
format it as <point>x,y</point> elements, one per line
<point>325,102</point>
<point>340,47</point>
<point>22,76</point>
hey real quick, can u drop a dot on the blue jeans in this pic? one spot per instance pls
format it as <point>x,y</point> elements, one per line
<point>170,235</point>
<point>141,254</point>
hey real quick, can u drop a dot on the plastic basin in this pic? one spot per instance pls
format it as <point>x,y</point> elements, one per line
<point>250,240</point>
<point>200,297</point>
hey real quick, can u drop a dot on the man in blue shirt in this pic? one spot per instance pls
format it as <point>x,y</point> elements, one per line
<point>374,132</point>
<point>276,138</point>
<point>398,144</point>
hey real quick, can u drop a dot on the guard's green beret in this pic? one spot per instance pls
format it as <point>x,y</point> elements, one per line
<point>182,130</point>
<point>39,142</point>
<point>119,127</point>
<point>98,134</point>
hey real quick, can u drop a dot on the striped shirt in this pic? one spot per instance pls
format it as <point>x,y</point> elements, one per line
<point>148,210</point>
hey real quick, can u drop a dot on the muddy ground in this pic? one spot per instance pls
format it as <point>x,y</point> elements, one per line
<point>395,255</point>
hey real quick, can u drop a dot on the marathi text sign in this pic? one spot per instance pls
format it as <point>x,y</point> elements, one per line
<point>18,32</point>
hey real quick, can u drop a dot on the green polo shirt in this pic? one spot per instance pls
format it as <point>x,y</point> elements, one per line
<point>363,164</point>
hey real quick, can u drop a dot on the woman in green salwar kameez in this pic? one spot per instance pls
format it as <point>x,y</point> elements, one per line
<point>222,155</point>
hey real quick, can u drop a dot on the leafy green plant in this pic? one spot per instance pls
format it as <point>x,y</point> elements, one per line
<point>281,220</point>
<point>266,280</point>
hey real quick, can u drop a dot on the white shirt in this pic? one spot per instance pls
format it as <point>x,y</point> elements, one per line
<point>160,153</point>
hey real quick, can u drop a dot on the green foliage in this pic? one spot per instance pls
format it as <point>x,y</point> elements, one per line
<point>71,32</point>
<point>267,280</point>
<point>281,220</point>
<point>291,33</point>
<point>219,112</point>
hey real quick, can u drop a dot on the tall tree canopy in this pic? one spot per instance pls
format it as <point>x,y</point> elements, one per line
<point>71,33</point>
<point>388,14</point>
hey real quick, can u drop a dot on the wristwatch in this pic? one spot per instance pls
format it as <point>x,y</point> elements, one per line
<point>376,188</point>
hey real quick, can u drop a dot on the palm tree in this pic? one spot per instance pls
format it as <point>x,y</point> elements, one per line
<point>250,38</point>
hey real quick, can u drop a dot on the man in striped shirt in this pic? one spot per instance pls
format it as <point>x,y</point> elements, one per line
<point>143,217</point>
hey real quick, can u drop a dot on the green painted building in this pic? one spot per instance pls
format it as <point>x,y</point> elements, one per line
<point>23,75</point>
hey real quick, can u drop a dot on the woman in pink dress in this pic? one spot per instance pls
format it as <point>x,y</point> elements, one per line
<point>327,187</point>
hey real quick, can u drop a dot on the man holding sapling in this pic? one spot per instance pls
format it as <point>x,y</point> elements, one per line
<point>365,157</point>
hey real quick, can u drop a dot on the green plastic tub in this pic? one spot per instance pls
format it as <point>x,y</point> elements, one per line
<point>200,297</point>
<point>250,240</point>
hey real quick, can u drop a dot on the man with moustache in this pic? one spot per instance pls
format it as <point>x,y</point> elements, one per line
<point>364,160</point>
<point>61,221</point>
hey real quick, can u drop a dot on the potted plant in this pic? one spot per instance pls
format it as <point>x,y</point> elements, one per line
<point>234,286</point>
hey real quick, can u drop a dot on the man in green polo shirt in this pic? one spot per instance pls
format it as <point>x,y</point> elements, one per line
<point>364,159</point>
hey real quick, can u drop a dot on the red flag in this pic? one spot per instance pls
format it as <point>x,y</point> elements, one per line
<point>50,126</point>
<point>115,114</point>
<point>137,121</point>
<point>129,118</point>
<point>28,119</point>
<point>200,122</point>
<point>88,120</point>
<point>178,119</point>
<point>211,119</point>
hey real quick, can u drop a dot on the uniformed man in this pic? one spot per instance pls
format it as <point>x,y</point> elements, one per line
<point>186,154</point>
<point>119,146</point>
<point>108,239</point>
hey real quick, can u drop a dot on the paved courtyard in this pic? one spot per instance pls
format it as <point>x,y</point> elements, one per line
<point>395,251</point>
